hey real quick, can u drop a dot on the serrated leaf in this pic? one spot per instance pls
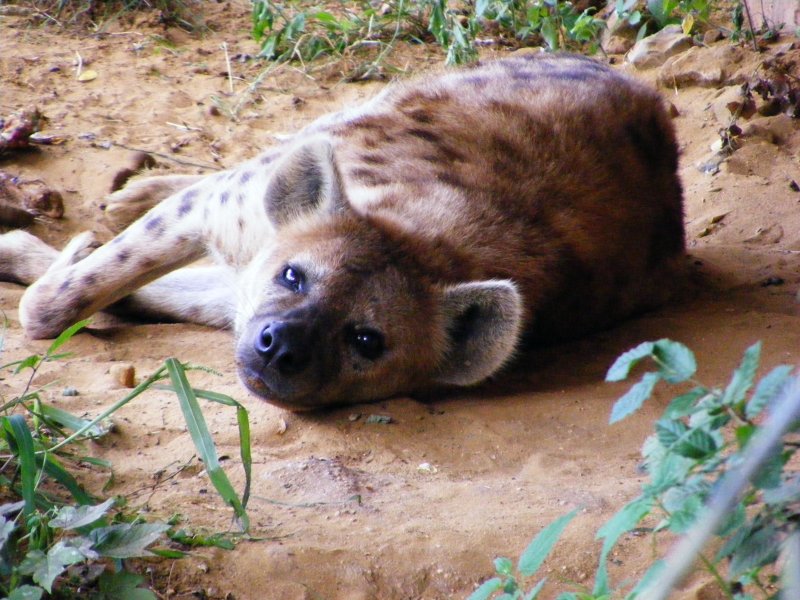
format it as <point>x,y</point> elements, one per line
<point>626,361</point>
<point>733,521</point>
<point>70,517</point>
<point>669,432</point>
<point>767,390</point>
<point>769,473</point>
<point>533,556</point>
<point>126,540</point>
<point>676,362</point>
<point>696,444</point>
<point>486,589</point>
<point>684,405</point>
<point>681,520</point>
<point>757,550</point>
<point>633,399</point>
<point>787,492</point>
<point>742,379</point>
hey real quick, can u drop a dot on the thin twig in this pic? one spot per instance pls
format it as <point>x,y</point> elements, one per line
<point>750,22</point>
<point>224,47</point>
<point>180,161</point>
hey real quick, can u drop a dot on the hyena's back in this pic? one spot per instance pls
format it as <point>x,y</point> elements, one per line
<point>555,172</point>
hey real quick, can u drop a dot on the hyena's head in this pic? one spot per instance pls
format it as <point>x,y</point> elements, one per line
<point>342,308</point>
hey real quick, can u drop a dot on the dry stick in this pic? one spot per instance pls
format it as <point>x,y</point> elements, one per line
<point>79,68</point>
<point>224,47</point>
<point>750,22</point>
<point>784,414</point>
<point>187,163</point>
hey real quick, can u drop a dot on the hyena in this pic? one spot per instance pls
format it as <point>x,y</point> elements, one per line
<point>408,243</point>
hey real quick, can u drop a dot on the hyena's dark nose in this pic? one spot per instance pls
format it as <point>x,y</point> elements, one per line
<point>284,346</point>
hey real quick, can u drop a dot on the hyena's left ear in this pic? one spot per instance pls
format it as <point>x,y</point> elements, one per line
<point>483,321</point>
<point>305,180</point>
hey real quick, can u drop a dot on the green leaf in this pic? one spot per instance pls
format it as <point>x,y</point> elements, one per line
<point>681,520</point>
<point>67,335</point>
<point>71,517</point>
<point>486,589</point>
<point>787,492</point>
<point>126,540</point>
<point>534,555</point>
<point>123,585</point>
<point>743,377</point>
<point>20,442</point>
<point>633,399</point>
<point>201,437</point>
<point>768,475</point>
<point>676,362</point>
<point>733,521</point>
<point>669,432</point>
<point>26,363</point>
<point>758,549</point>
<point>684,404</point>
<point>46,567</point>
<point>625,362</point>
<point>625,520</point>
<point>69,421</point>
<point>767,390</point>
<point>26,592</point>
<point>503,566</point>
<point>696,444</point>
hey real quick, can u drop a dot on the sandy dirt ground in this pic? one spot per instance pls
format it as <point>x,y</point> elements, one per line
<point>343,507</point>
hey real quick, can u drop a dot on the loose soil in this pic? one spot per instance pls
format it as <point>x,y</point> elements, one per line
<point>343,507</point>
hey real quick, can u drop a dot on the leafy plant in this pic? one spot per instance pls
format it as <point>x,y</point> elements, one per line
<point>653,15</point>
<point>298,31</point>
<point>44,535</point>
<point>713,462</point>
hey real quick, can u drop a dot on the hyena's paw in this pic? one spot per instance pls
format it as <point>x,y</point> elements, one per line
<point>139,195</point>
<point>24,257</point>
<point>57,299</point>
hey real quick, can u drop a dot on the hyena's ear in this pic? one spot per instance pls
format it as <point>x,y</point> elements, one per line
<point>305,180</point>
<point>483,321</point>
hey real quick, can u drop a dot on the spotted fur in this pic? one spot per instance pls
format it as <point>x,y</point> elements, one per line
<point>410,242</point>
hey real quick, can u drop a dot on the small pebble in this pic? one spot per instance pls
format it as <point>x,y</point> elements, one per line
<point>124,374</point>
<point>69,391</point>
<point>379,419</point>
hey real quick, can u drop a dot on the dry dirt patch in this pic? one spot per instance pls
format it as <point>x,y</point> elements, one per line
<point>345,507</point>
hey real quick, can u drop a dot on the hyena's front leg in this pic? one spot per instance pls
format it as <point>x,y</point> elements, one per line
<point>168,237</point>
<point>140,194</point>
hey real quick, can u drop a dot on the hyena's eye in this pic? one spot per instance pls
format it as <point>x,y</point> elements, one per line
<point>367,342</point>
<point>292,278</point>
